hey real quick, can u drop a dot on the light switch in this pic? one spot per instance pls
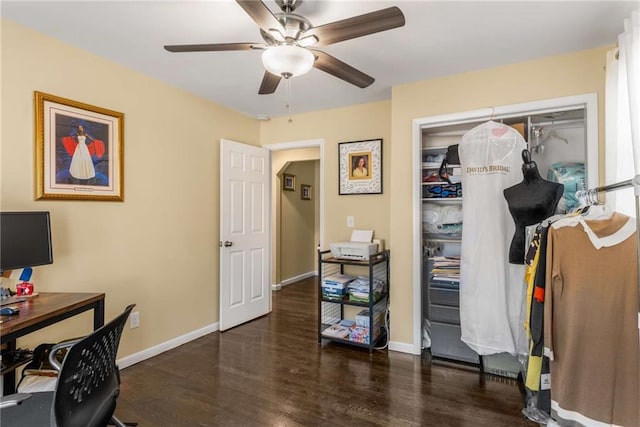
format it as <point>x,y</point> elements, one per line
<point>350,222</point>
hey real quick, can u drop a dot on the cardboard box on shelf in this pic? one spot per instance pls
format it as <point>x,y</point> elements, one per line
<point>362,318</point>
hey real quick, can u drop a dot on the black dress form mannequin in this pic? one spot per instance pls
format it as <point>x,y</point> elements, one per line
<point>531,201</point>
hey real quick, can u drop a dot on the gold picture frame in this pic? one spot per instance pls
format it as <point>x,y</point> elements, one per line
<point>288,182</point>
<point>305,192</point>
<point>79,150</point>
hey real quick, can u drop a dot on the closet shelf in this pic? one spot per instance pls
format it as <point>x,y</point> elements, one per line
<point>442,199</point>
<point>435,183</point>
<point>431,165</point>
<point>443,238</point>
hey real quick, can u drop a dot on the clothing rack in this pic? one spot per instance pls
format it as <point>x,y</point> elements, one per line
<point>591,195</point>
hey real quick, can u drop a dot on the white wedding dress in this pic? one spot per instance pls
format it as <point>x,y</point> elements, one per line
<point>81,163</point>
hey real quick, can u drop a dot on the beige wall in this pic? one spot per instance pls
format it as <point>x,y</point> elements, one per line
<point>159,248</point>
<point>359,122</point>
<point>565,75</point>
<point>297,244</point>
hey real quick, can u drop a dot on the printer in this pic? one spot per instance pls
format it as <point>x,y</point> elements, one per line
<point>359,248</point>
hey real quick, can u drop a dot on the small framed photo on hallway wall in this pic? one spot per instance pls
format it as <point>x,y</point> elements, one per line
<point>79,150</point>
<point>305,192</point>
<point>360,164</point>
<point>288,182</point>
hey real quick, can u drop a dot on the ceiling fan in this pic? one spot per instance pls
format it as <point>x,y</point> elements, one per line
<point>290,42</point>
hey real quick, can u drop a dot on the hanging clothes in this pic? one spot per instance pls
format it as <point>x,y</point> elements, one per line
<point>492,291</point>
<point>534,266</point>
<point>537,378</point>
<point>590,325</point>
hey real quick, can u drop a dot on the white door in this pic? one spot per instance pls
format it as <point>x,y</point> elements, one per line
<point>245,291</point>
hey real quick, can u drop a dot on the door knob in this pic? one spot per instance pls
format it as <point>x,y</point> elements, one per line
<point>227,243</point>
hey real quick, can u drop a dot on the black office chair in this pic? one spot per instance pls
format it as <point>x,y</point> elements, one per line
<point>87,387</point>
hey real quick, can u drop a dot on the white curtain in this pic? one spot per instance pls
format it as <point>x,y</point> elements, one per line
<point>622,121</point>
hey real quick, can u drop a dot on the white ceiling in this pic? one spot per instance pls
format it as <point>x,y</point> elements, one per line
<point>439,38</point>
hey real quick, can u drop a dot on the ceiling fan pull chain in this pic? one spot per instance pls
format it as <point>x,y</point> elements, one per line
<point>287,83</point>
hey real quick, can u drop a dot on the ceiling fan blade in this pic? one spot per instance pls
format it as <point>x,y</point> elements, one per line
<point>213,47</point>
<point>261,14</point>
<point>358,26</point>
<point>346,72</point>
<point>269,83</point>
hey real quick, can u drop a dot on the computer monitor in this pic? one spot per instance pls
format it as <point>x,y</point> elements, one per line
<point>25,240</point>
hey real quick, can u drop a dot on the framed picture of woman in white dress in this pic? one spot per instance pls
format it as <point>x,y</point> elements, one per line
<point>79,150</point>
<point>360,164</point>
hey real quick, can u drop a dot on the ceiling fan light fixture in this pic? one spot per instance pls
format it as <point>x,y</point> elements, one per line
<point>287,60</point>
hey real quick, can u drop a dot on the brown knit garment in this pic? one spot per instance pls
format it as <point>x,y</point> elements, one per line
<point>591,325</point>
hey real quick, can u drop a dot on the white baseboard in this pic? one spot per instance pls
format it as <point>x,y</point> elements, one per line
<point>297,278</point>
<point>178,341</point>
<point>294,279</point>
<point>166,346</point>
<point>140,356</point>
<point>401,347</point>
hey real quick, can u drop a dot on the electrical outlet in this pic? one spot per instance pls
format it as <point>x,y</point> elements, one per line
<point>350,222</point>
<point>134,319</point>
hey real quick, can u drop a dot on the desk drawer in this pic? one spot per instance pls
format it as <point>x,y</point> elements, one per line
<point>441,313</point>
<point>450,297</point>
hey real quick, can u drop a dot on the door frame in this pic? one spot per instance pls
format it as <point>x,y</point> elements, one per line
<point>587,101</point>
<point>281,146</point>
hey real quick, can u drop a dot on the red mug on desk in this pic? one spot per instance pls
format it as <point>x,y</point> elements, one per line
<point>24,288</point>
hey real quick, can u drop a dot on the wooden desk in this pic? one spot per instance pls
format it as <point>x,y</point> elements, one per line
<point>42,311</point>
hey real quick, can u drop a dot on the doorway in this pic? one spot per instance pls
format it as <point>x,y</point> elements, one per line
<point>298,219</point>
<point>302,161</point>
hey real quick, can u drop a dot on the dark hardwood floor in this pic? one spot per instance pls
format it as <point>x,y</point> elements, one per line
<point>272,372</point>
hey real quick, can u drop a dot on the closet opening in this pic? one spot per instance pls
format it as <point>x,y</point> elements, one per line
<point>562,138</point>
